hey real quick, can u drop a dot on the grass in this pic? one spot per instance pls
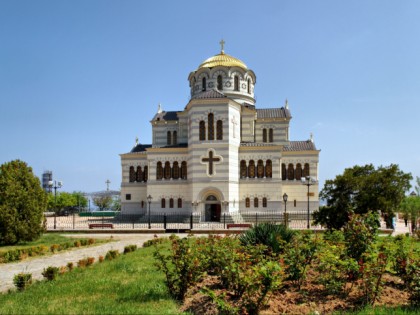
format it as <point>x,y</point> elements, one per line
<point>369,310</point>
<point>129,284</point>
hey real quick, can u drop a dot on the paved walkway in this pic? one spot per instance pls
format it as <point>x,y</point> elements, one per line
<point>36,265</point>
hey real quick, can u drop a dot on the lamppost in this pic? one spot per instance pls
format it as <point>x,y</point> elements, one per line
<point>55,185</point>
<point>149,200</point>
<point>285,196</point>
<point>308,181</point>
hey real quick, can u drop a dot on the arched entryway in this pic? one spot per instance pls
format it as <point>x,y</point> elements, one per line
<point>212,209</point>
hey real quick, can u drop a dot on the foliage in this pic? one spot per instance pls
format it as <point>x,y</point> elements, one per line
<point>65,201</point>
<point>273,236</point>
<point>116,203</point>
<point>130,248</point>
<point>112,254</point>
<point>410,207</point>
<point>22,203</point>
<point>22,280</point>
<point>50,273</point>
<point>102,202</point>
<point>362,189</point>
<point>154,241</point>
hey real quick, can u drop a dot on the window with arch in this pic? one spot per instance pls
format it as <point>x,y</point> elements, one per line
<point>290,172</point>
<point>132,175</point>
<point>168,138</point>
<point>142,204</point>
<point>219,82</point>
<point>159,170</point>
<point>175,170</point>
<point>219,131</point>
<point>167,170</point>
<point>264,135</point>
<point>306,170</point>
<point>163,203</point>
<point>270,135</point>
<point>184,170</point>
<point>264,201</point>
<point>145,173</point>
<point>251,169</point>
<point>249,86</point>
<point>298,172</point>
<point>243,169</point>
<point>179,202</point>
<point>139,174</point>
<point>202,135</point>
<point>210,122</point>
<point>260,169</point>
<point>171,203</point>
<point>269,169</point>
<point>283,171</point>
<point>236,83</point>
<point>255,202</point>
<point>174,138</point>
<point>247,202</point>
<point>203,84</point>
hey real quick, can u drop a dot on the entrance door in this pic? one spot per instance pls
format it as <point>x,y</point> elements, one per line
<point>213,209</point>
<point>216,211</point>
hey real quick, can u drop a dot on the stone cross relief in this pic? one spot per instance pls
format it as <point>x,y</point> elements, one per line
<point>234,123</point>
<point>210,160</point>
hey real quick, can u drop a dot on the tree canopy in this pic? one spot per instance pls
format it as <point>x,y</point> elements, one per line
<point>22,203</point>
<point>362,189</point>
<point>66,201</point>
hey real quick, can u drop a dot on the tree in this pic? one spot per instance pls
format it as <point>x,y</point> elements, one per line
<point>65,201</point>
<point>22,203</point>
<point>362,189</point>
<point>102,202</point>
<point>410,207</point>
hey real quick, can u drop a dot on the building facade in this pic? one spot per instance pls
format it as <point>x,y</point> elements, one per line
<point>221,153</point>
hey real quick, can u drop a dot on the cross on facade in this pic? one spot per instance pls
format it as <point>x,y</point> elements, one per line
<point>234,122</point>
<point>107,184</point>
<point>222,45</point>
<point>210,160</point>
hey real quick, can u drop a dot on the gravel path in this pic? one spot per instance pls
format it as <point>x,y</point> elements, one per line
<point>36,265</point>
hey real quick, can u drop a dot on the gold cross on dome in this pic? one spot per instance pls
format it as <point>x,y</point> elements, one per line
<point>222,44</point>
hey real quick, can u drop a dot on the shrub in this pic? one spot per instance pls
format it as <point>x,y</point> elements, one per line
<point>90,261</point>
<point>130,248</point>
<point>55,248</point>
<point>101,258</point>
<point>70,266</point>
<point>50,273</point>
<point>22,280</point>
<point>155,241</point>
<point>77,243</point>
<point>82,263</point>
<point>112,254</point>
<point>91,241</point>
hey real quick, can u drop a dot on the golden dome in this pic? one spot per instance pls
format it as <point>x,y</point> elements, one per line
<point>222,59</point>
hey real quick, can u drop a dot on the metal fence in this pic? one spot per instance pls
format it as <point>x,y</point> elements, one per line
<point>176,221</point>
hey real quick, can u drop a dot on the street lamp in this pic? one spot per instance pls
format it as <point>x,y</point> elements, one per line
<point>308,181</point>
<point>55,185</point>
<point>149,200</point>
<point>285,196</point>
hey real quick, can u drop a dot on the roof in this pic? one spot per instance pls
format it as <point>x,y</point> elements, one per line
<point>179,145</point>
<point>140,148</point>
<point>257,144</point>
<point>209,94</point>
<point>273,113</point>
<point>307,145</point>
<point>165,116</point>
<point>222,59</point>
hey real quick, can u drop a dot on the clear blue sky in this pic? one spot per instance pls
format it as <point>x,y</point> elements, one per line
<point>79,80</point>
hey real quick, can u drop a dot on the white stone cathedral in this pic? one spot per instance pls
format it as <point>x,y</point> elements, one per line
<point>220,154</point>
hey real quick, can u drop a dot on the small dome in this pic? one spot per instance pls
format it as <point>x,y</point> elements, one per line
<point>222,59</point>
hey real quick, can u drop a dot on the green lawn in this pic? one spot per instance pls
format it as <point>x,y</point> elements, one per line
<point>128,285</point>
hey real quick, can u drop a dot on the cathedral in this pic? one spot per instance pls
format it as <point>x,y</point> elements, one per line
<point>221,153</point>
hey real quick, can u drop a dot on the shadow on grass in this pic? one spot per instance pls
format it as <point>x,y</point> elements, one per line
<point>148,296</point>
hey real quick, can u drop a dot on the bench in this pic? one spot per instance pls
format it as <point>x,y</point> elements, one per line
<point>238,225</point>
<point>101,225</point>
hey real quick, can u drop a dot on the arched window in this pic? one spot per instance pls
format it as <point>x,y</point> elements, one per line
<point>306,170</point>
<point>168,138</point>
<point>219,82</point>
<point>204,84</point>
<point>260,169</point>
<point>202,130</point>
<point>269,169</point>
<point>159,170</point>
<point>290,172</point>
<point>171,203</point>
<point>219,130</point>
<point>264,202</point>
<point>142,204</point>
<point>283,171</point>
<point>175,170</point>
<point>247,202</point>
<point>163,203</point>
<point>139,174</point>
<point>270,135</point>
<point>251,169</point>
<point>179,202</point>
<point>236,83</point>
<point>255,202</point>
<point>184,170</point>
<point>298,172</point>
<point>145,173</point>
<point>243,169</point>
<point>167,170</point>
<point>174,138</point>
<point>132,176</point>
<point>210,122</point>
<point>249,86</point>
<point>264,135</point>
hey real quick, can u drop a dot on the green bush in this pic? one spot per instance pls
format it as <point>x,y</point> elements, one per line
<point>22,280</point>
<point>50,273</point>
<point>112,254</point>
<point>155,241</point>
<point>130,248</point>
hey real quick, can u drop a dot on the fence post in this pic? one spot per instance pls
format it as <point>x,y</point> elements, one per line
<point>224,221</point>
<point>55,221</point>
<point>164,221</point>
<point>134,220</point>
<point>74,220</point>
<point>191,221</point>
<point>103,220</point>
